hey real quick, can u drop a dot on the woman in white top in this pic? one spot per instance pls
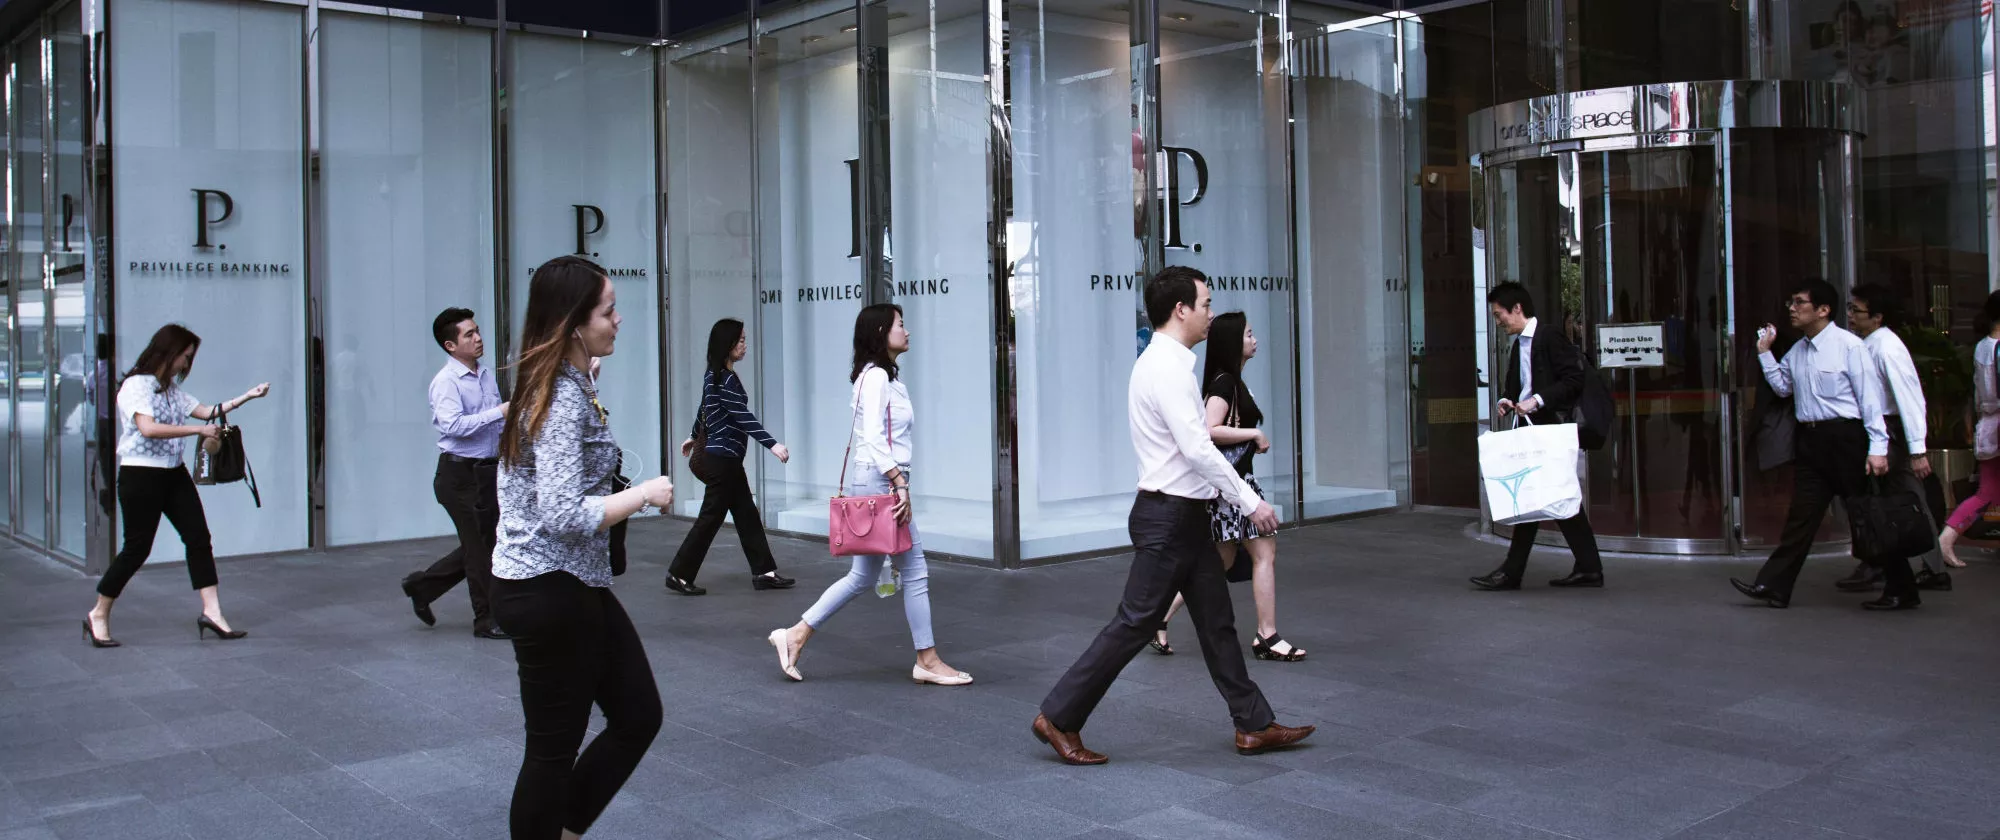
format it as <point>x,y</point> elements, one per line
<point>153,415</point>
<point>882,416</point>
<point>1986,434</point>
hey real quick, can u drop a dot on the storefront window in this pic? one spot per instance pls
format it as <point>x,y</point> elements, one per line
<point>1077,272</point>
<point>209,210</point>
<point>30,301</point>
<point>9,281</point>
<point>1347,159</point>
<point>582,182</point>
<point>70,366</point>
<point>406,173</point>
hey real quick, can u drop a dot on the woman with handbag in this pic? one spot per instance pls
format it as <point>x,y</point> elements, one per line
<point>153,415</point>
<point>1985,434</point>
<point>879,437</point>
<point>1233,418</point>
<point>574,645</point>
<point>723,427</point>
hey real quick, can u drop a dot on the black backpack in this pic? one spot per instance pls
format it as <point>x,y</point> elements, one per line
<point>1594,411</point>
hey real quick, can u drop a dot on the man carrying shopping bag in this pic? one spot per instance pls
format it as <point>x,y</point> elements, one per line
<point>1532,466</point>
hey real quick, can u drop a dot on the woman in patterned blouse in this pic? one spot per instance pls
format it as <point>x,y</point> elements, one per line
<point>153,415</point>
<point>573,643</point>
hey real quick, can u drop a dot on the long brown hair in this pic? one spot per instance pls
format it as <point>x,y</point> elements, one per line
<point>160,354</point>
<point>561,296</point>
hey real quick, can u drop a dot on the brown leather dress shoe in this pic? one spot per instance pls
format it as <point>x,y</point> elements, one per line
<point>1069,746</point>
<point>1270,738</point>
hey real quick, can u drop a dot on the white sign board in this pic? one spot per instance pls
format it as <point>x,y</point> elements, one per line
<point>1631,345</point>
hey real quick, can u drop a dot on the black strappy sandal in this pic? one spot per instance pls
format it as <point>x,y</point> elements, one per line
<point>1264,648</point>
<point>1159,647</point>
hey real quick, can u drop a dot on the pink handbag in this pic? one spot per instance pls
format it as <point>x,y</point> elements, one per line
<point>861,525</point>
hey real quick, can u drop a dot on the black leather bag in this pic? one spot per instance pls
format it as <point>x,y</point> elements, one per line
<point>1889,525</point>
<point>698,459</point>
<point>1594,410</point>
<point>227,464</point>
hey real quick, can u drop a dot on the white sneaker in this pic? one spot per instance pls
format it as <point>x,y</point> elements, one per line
<point>921,676</point>
<point>782,641</point>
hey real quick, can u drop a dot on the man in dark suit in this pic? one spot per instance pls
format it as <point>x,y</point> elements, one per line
<point>1544,389</point>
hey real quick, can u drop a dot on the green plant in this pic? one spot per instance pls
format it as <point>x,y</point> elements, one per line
<point>1944,368</point>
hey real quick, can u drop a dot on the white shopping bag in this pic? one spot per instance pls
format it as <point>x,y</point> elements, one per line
<point>1528,473</point>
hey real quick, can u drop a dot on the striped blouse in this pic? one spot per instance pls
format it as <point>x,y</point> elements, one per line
<point>725,414</point>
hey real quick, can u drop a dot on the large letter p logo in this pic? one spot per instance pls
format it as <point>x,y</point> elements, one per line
<point>585,228</point>
<point>201,215</point>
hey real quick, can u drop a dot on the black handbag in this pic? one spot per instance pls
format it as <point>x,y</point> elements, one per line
<point>1888,525</point>
<point>227,464</point>
<point>619,484</point>
<point>698,458</point>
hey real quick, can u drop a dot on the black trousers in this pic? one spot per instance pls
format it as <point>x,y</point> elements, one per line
<point>144,495</point>
<point>1172,552</point>
<point>728,494</point>
<point>1576,531</point>
<point>470,493</point>
<point>1831,461</point>
<point>575,647</point>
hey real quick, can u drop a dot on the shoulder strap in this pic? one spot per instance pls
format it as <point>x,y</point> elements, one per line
<point>854,424</point>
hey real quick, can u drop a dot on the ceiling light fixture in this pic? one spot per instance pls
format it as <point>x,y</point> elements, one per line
<point>1182,18</point>
<point>848,28</point>
<point>812,38</point>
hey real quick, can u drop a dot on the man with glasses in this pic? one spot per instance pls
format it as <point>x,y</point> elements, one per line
<point>1836,396</point>
<point>1873,313</point>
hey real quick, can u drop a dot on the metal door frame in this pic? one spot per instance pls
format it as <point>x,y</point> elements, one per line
<point>1665,116</point>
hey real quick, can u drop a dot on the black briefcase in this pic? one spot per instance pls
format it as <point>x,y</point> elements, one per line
<point>1889,525</point>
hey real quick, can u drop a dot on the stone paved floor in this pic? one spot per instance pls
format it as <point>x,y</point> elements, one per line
<point>1664,706</point>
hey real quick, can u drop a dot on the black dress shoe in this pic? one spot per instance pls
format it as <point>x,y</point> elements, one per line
<point>771,581</point>
<point>1891,602</point>
<point>1864,578</point>
<point>685,587</point>
<point>1937,581</point>
<point>1591,579</point>
<point>1498,581</point>
<point>493,633</point>
<point>421,607</point>
<point>1771,597</point>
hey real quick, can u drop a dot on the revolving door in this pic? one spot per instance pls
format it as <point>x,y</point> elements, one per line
<point>1658,227</point>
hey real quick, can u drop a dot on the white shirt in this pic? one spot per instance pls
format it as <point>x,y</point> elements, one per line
<point>1527,346</point>
<point>882,415</point>
<point>1170,430</point>
<point>173,407</point>
<point>1896,375</point>
<point>1830,377</point>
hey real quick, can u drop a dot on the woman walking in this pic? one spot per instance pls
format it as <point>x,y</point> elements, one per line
<point>723,427</point>
<point>1986,434</point>
<point>153,415</point>
<point>882,420</point>
<point>573,644</point>
<point>1233,418</point>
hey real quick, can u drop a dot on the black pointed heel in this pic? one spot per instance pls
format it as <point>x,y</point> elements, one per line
<point>202,627</point>
<point>97,642</point>
<point>1263,647</point>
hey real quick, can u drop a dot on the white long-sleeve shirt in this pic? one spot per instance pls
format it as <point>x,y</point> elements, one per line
<point>1831,376</point>
<point>1902,392</point>
<point>1170,430</point>
<point>882,416</point>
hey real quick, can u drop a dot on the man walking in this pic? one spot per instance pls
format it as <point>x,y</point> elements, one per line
<point>1841,440</point>
<point>1545,375</point>
<point>467,412</point>
<point>1873,312</point>
<point>1180,470</point>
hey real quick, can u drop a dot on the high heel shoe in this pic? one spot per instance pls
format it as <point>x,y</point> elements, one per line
<point>97,642</point>
<point>202,627</point>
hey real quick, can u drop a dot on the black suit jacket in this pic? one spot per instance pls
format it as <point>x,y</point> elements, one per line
<point>1558,370</point>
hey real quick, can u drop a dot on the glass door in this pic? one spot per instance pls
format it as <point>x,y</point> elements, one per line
<point>1627,240</point>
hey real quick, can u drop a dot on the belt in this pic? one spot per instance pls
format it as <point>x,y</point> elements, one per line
<point>1157,496</point>
<point>472,462</point>
<point>1837,421</point>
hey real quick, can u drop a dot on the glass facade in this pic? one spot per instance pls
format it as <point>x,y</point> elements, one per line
<point>306,187</point>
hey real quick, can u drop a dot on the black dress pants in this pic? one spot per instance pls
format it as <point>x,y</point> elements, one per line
<point>1576,531</point>
<point>144,495</point>
<point>470,494</point>
<point>574,647</point>
<point>1831,462</point>
<point>1172,552</point>
<point>728,494</point>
